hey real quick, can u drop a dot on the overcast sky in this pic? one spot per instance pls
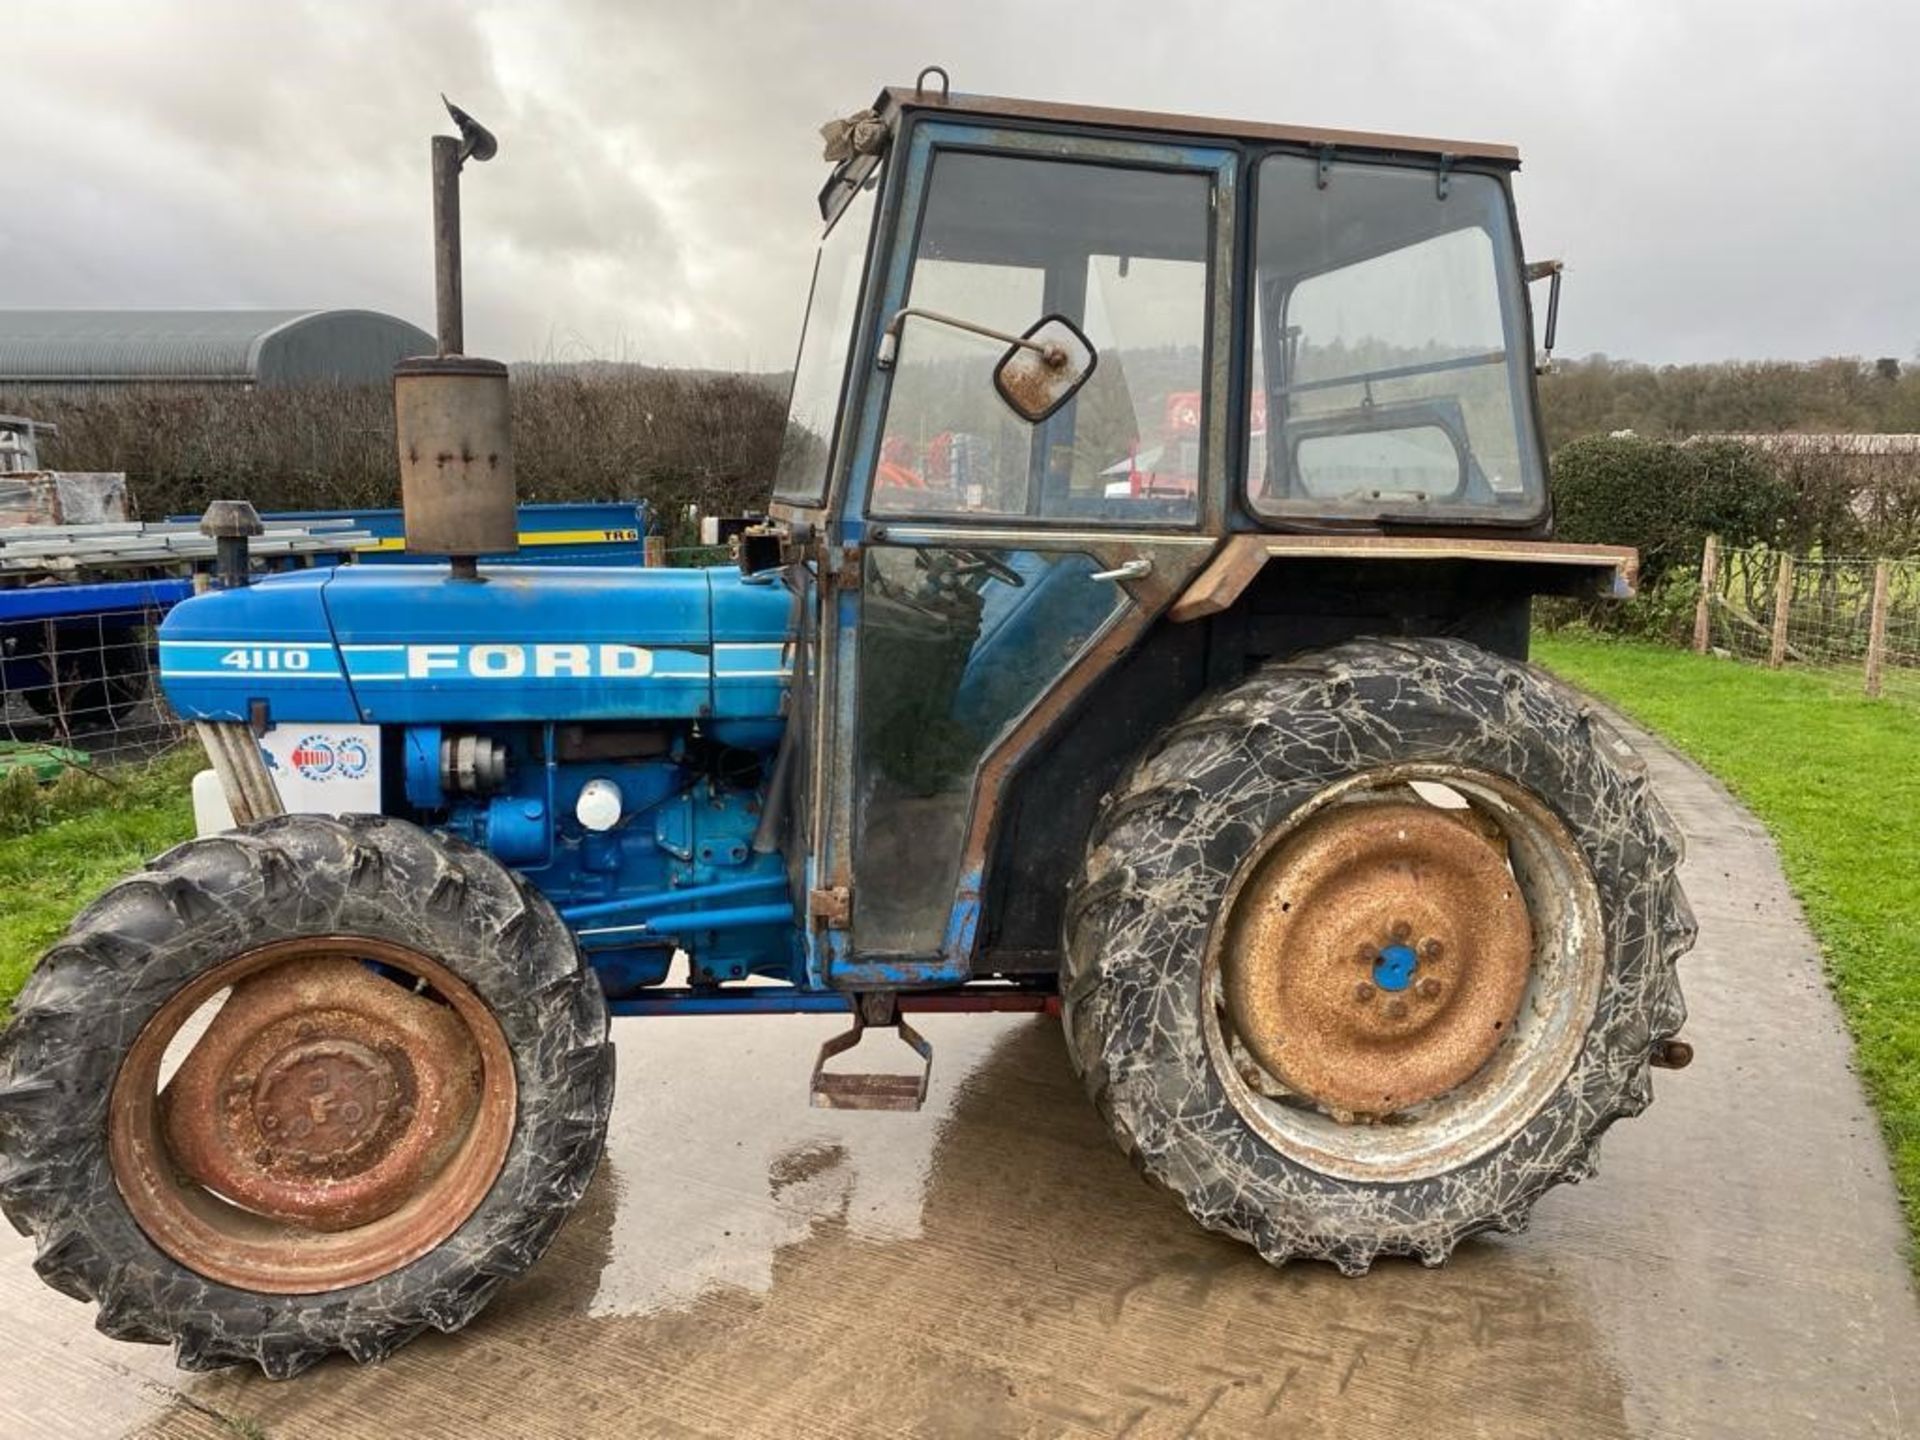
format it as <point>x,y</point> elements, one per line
<point>1725,178</point>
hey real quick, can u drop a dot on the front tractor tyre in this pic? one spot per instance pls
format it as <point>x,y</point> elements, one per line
<point>309,1086</point>
<point>1371,949</point>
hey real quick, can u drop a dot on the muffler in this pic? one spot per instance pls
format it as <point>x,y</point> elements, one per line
<point>452,411</point>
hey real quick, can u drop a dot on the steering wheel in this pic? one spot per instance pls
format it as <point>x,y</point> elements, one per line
<point>985,562</point>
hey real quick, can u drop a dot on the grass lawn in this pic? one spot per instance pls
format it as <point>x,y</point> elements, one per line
<point>1835,777</point>
<point>62,844</point>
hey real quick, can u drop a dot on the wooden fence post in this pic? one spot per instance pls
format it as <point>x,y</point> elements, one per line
<point>1782,602</point>
<point>1703,610</point>
<point>653,550</point>
<point>1877,625</point>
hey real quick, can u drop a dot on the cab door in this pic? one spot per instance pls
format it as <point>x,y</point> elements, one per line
<point>987,568</point>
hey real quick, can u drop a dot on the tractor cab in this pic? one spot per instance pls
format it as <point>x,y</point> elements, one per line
<point>1068,377</point>
<point>1366,290</point>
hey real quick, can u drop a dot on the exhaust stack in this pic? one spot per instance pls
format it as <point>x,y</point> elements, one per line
<point>452,411</point>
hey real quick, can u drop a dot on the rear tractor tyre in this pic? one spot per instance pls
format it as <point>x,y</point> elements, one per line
<point>91,678</point>
<point>309,1086</point>
<point>1371,949</point>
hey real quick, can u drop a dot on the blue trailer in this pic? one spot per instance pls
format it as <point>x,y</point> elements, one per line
<point>551,533</point>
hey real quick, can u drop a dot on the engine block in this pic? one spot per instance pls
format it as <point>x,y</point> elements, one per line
<point>610,734</point>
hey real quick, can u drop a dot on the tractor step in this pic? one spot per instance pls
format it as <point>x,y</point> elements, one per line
<point>877,1091</point>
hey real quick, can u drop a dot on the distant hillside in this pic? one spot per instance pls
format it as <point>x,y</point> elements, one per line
<point>1599,394</point>
<point>621,371</point>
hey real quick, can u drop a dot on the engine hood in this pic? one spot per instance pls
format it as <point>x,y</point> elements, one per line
<point>406,644</point>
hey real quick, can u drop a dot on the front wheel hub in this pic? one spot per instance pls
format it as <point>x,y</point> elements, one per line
<point>344,1110</point>
<point>326,1104</point>
<point>322,1093</point>
<point>1377,958</point>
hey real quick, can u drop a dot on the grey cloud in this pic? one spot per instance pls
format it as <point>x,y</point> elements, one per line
<point>1724,179</point>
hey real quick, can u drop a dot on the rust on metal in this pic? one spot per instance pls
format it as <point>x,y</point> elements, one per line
<point>322,1094</point>
<point>990,786</point>
<point>1611,571</point>
<point>898,98</point>
<point>1174,560</point>
<point>872,1091</point>
<point>328,1125</point>
<point>453,419</point>
<point>1354,880</point>
<point>323,1104</point>
<point>1172,563</point>
<point>830,906</point>
<point>847,570</point>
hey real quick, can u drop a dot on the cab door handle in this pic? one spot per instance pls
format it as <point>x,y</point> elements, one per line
<point>1132,570</point>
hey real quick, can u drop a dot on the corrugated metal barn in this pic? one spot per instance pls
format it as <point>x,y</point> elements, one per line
<point>203,347</point>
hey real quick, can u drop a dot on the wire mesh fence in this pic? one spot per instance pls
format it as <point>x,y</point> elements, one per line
<point>1848,615</point>
<point>87,684</point>
<point>81,684</point>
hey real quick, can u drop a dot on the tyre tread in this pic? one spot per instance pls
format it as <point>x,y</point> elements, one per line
<point>137,942</point>
<point>1344,708</point>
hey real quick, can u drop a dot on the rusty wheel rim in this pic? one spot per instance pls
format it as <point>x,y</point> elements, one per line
<point>1374,959</point>
<point>1404,971</point>
<point>329,1125</point>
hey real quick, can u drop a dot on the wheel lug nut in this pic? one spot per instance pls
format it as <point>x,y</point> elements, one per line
<point>1429,989</point>
<point>1401,930</point>
<point>1432,949</point>
<point>1363,992</point>
<point>1367,954</point>
<point>1396,1010</point>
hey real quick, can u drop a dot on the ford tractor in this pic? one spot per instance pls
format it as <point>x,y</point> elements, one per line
<point>1361,930</point>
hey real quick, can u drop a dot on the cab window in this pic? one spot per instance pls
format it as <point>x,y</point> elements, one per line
<point>813,405</point>
<point>1004,241</point>
<point>1391,359</point>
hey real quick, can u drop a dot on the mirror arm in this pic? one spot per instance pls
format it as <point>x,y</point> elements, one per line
<point>1541,270</point>
<point>1053,355</point>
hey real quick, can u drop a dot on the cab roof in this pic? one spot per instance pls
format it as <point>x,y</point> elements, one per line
<point>897,100</point>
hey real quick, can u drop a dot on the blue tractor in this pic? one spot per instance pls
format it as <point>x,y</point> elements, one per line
<point>1361,929</point>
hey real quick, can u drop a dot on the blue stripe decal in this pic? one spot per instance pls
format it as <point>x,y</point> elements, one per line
<point>766,661</point>
<point>243,659</point>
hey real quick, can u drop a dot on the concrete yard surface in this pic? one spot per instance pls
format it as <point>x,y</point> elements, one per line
<point>745,1266</point>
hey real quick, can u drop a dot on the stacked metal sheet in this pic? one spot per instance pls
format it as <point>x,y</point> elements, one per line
<point>67,549</point>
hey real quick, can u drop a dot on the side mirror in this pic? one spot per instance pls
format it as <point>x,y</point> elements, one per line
<point>1045,369</point>
<point>1041,371</point>
<point>1548,270</point>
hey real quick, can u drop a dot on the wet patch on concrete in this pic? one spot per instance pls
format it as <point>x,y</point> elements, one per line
<point>807,1162</point>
